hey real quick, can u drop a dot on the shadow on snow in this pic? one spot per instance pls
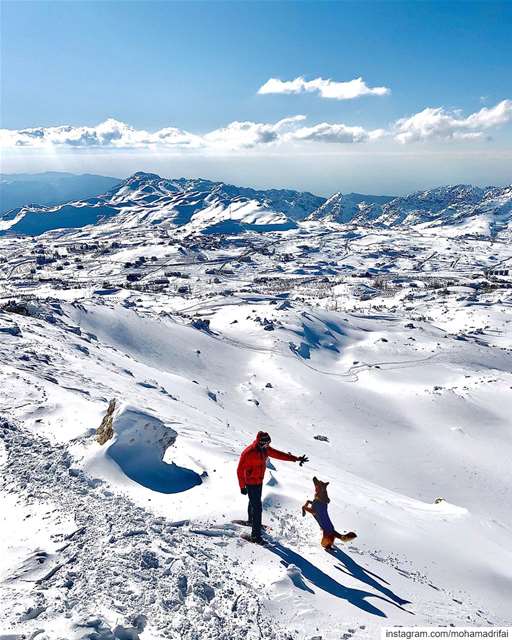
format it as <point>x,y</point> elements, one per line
<point>139,448</point>
<point>364,575</point>
<point>318,578</point>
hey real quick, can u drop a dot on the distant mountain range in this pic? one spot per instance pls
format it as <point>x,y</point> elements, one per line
<point>344,208</point>
<point>145,198</point>
<point>215,207</point>
<point>483,211</point>
<point>49,188</point>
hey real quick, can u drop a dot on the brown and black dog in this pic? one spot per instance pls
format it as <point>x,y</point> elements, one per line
<point>318,508</point>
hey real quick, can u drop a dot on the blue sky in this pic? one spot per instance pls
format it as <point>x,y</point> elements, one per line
<point>198,66</point>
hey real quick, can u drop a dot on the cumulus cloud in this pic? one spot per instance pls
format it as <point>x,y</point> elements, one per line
<point>115,134</point>
<point>325,88</point>
<point>340,133</point>
<point>110,133</point>
<point>245,135</point>
<point>234,136</point>
<point>441,124</point>
<point>429,124</point>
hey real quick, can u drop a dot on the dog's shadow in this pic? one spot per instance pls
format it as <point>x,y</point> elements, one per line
<point>318,578</point>
<point>355,570</point>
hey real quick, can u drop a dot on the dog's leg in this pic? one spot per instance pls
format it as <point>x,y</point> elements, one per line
<point>327,541</point>
<point>306,507</point>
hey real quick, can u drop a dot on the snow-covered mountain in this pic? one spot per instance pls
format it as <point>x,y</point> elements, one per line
<point>203,205</point>
<point>469,209</point>
<point>350,207</point>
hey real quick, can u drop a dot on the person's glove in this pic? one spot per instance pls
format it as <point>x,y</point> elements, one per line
<point>243,491</point>
<point>302,460</point>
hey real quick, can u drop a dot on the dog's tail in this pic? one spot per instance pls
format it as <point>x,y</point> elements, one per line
<point>345,537</point>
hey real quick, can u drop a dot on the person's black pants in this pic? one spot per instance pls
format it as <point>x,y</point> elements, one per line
<point>254,511</point>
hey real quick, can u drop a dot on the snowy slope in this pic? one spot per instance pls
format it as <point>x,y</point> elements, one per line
<point>394,346</point>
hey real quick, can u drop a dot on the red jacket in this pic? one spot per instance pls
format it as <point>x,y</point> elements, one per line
<point>253,462</point>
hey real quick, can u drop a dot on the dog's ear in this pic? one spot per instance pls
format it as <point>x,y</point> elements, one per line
<point>327,483</point>
<point>315,479</point>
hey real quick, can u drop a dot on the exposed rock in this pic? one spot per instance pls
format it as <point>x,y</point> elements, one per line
<point>13,330</point>
<point>149,560</point>
<point>201,324</point>
<point>19,308</point>
<point>105,431</point>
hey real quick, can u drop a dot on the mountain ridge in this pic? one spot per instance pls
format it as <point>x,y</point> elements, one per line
<point>486,209</point>
<point>206,206</point>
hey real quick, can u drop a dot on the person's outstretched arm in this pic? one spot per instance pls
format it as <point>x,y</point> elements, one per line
<point>280,455</point>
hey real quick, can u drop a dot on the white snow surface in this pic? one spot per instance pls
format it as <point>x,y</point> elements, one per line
<point>392,345</point>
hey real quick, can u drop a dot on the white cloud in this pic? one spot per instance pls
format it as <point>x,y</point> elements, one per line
<point>429,124</point>
<point>115,134</point>
<point>110,133</point>
<point>245,135</point>
<point>234,136</point>
<point>337,133</point>
<point>325,88</point>
<point>441,124</point>
<point>485,118</point>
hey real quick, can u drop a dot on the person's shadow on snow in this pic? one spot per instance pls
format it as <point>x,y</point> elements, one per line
<point>318,578</point>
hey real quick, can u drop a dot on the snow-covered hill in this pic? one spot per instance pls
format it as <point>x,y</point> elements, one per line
<point>141,526</point>
<point>201,205</point>
<point>197,205</point>
<point>465,208</point>
<point>350,207</point>
<point>384,354</point>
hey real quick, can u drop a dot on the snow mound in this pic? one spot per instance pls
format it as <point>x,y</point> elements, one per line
<point>139,446</point>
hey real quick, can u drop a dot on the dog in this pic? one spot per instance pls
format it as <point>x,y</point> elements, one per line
<point>318,508</point>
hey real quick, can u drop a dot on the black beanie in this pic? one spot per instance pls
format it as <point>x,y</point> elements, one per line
<point>263,438</point>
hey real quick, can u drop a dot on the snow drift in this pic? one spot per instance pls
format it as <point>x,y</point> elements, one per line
<point>140,443</point>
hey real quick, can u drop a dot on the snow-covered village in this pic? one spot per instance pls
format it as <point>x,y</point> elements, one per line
<point>231,408</point>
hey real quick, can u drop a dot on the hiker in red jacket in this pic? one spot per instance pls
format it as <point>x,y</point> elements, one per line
<point>251,471</point>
